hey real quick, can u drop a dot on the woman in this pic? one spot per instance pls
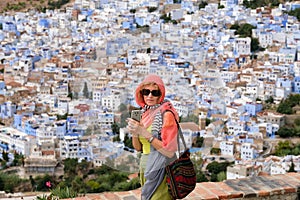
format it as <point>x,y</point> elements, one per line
<point>155,136</point>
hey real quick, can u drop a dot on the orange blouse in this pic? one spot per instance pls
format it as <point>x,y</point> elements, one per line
<point>169,132</point>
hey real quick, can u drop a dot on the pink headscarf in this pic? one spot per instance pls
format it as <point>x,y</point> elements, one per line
<point>151,78</point>
<point>148,116</point>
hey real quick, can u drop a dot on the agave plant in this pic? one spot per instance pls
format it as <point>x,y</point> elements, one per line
<point>63,193</point>
<point>46,197</point>
<point>58,193</point>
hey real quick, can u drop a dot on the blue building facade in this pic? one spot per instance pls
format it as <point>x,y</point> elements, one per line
<point>253,108</point>
<point>9,27</point>
<point>296,85</point>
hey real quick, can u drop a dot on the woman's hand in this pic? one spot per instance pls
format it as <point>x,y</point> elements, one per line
<point>133,129</point>
<point>136,128</point>
<point>133,126</point>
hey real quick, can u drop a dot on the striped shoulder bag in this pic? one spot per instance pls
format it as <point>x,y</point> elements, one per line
<point>181,174</point>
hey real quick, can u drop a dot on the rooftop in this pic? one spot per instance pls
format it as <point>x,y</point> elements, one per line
<point>283,186</point>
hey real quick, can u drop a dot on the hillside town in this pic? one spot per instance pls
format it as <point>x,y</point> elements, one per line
<point>65,73</point>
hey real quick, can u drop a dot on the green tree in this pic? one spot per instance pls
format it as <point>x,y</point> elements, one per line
<point>283,148</point>
<point>215,151</point>
<point>125,114</point>
<point>202,4</point>
<point>296,150</point>
<point>275,3</point>
<point>200,177</point>
<point>116,138</point>
<point>297,121</point>
<point>293,99</point>
<point>221,176</point>
<point>214,177</point>
<point>18,160</point>
<point>104,186</point>
<point>215,167</point>
<point>270,100</point>
<point>85,90</point>
<point>11,181</point>
<point>62,117</point>
<point>286,132</point>
<point>295,13</point>
<point>166,18</point>
<point>3,164</point>
<point>207,121</point>
<point>78,185</point>
<point>254,45</point>
<point>132,10</point>
<point>292,168</point>
<point>70,94</point>
<point>235,26</point>
<point>57,4</point>
<point>128,141</point>
<point>198,141</point>
<point>220,6</point>
<point>247,4</point>
<point>285,108</point>
<point>83,167</point>
<point>244,30</point>
<point>104,169</point>
<point>116,177</point>
<point>152,9</point>
<point>149,50</point>
<point>5,156</point>
<point>32,181</point>
<point>115,128</point>
<point>2,183</point>
<point>70,165</point>
<point>134,184</point>
<point>257,3</point>
<point>93,185</point>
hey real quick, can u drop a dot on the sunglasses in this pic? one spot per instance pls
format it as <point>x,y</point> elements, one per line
<point>155,93</point>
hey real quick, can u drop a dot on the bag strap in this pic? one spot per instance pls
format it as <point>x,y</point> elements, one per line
<point>179,133</point>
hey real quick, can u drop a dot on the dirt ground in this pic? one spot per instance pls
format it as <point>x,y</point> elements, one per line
<point>4,4</point>
<point>34,3</point>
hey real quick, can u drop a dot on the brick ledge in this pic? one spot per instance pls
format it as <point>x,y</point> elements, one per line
<point>259,187</point>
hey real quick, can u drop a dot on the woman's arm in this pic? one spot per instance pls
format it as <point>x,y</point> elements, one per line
<point>168,145</point>
<point>136,143</point>
<point>158,145</point>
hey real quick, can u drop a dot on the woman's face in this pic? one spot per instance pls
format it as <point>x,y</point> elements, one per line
<point>151,95</point>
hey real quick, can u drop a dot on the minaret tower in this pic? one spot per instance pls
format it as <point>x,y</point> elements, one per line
<point>202,118</point>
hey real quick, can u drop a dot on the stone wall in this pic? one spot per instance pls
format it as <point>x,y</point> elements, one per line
<point>276,187</point>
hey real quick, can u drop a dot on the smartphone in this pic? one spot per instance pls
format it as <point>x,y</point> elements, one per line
<point>136,115</point>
